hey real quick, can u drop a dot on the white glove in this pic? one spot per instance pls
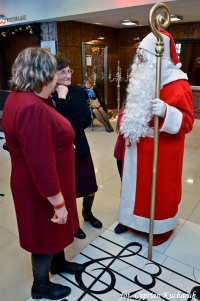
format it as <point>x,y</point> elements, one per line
<point>158,107</point>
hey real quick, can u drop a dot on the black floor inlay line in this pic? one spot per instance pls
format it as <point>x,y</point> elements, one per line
<point>104,280</point>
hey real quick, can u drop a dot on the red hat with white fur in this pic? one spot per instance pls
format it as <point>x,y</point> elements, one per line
<point>149,44</point>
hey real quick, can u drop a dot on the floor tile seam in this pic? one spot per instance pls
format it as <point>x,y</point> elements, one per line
<point>107,152</point>
<point>108,180</point>
<point>173,238</point>
<point>191,192</point>
<point>167,256</point>
<point>6,245</point>
<point>94,142</point>
<point>105,167</point>
<point>175,272</point>
<point>146,254</point>
<point>182,223</point>
<point>8,183</point>
<point>194,273</point>
<point>109,192</point>
<point>9,231</point>
<point>143,256</point>
<point>193,172</point>
<point>103,157</point>
<point>7,203</point>
<point>186,157</point>
<point>96,149</point>
<point>192,212</point>
<point>99,157</point>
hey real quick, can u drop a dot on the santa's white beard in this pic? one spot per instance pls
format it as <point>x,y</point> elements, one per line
<point>141,89</point>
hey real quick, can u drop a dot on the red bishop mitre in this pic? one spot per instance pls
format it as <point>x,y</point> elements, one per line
<point>149,44</point>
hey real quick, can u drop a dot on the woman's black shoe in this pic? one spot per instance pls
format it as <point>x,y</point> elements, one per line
<point>60,265</point>
<point>110,127</point>
<point>80,234</point>
<point>49,290</point>
<point>87,213</point>
<point>93,220</point>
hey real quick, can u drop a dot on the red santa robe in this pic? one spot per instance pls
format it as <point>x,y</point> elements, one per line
<point>135,200</point>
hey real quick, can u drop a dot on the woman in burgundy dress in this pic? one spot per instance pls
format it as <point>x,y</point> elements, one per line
<point>40,142</point>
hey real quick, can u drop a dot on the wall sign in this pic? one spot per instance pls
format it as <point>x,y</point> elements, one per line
<point>12,19</point>
<point>49,45</point>
<point>88,60</point>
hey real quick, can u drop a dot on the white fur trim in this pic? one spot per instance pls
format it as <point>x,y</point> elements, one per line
<point>172,121</point>
<point>178,65</point>
<point>175,75</point>
<point>142,224</point>
<point>127,201</point>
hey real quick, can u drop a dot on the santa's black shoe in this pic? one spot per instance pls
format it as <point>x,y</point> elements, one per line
<point>119,229</point>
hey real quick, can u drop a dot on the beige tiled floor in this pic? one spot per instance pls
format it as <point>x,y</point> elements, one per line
<point>181,252</point>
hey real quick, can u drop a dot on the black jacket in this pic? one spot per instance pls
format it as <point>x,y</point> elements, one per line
<point>77,111</point>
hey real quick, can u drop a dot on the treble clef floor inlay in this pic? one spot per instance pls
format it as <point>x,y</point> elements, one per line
<point>117,268</point>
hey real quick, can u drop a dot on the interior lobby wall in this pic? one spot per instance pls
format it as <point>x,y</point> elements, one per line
<point>69,36</point>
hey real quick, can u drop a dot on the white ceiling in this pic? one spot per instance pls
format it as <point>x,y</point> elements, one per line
<point>188,9</point>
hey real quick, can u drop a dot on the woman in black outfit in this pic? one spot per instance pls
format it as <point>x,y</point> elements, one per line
<point>71,103</point>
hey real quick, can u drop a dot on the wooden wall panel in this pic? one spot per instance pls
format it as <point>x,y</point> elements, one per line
<point>62,49</point>
<point>74,55</point>
<point>72,33</point>
<point>120,42</point>
<point>61,33</point>
<point>11,47</point>
<point>87,32</point>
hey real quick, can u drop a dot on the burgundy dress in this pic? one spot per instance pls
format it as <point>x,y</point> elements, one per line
<point>40,142</point>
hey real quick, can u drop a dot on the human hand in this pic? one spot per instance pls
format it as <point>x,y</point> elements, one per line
<point>62,91</point>
<point>158,107</point>
<point>60,215</point>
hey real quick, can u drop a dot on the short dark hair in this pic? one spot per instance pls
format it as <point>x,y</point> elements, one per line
<point>62,61</point>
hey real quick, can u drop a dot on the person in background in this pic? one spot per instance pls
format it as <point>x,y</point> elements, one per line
<point>69,101</point>
<point>119,145</point>
<point>40,143</point>
<point>176,118</point>
<point>91,96</point>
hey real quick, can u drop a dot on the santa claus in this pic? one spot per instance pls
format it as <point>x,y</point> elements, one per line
<point>176,118</point>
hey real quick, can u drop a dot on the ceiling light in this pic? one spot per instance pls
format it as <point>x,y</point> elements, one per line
<point>98,38</point>
<point>129,22</point>
<point>176,18</point>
